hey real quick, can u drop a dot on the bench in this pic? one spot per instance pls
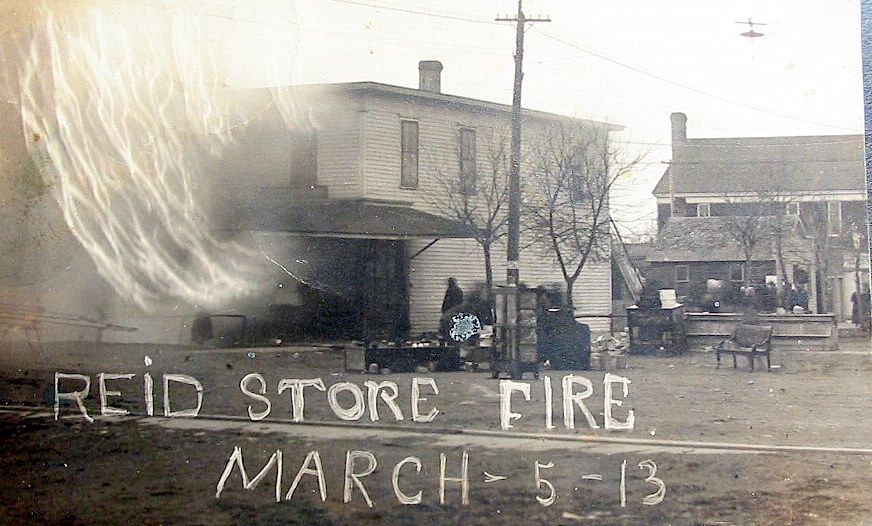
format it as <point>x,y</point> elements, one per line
<point>750,340</point>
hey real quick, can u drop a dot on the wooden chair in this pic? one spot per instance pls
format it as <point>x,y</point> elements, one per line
<point>750,340</point>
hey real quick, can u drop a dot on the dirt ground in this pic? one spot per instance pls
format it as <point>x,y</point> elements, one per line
<point>165,471</point>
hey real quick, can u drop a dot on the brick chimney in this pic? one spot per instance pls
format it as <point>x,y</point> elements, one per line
<point>679,128</point>
<point>430,76</point>
<point>679,138</point>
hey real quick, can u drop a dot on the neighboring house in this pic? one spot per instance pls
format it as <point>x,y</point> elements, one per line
<point>691,250</point>
<point>351,198</point>
<point>819,179</point>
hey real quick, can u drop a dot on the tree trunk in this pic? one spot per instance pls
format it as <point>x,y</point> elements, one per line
<point>747,273</point>
<point>748,293</point>
<point>781,273</point>
<point>858,290</point>
<point>488,279</point>
<point>570,283</point>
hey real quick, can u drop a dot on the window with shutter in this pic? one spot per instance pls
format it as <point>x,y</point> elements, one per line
<point>409,152</point>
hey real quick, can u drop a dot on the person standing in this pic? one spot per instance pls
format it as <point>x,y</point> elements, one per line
<point>802,298</point>
<point>450,303</point>
<point>864,303</point>
<point>453,296</point>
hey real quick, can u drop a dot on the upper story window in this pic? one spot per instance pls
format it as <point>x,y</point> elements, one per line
<point>793,209</point>
<point>304,158</point>
<point>467,159</point>
<point>834,217</point>
<point>703,210</point>
<point>682,273</point>
<point>409,153</point>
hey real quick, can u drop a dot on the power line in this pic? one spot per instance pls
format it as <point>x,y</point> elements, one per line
<point>684,86</point>
<point>597,55</point>
<point>774,161</point>
<point>513,212</point>
<point>419,12</point>
<point>743,146</point>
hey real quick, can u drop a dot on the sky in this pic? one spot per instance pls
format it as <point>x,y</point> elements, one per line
<point>627,62</point>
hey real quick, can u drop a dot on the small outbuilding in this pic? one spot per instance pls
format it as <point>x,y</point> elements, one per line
<point>690,251</point>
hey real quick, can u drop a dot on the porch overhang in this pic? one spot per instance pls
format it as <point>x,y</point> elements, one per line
<point>348,219</point>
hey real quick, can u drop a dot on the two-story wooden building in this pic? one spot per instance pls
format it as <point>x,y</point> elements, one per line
<point>348,194</point>
<point>819,179</point>
<point>331,199</point>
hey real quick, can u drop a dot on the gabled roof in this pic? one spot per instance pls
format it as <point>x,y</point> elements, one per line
<point>685,239</point>
<point>808,164</point>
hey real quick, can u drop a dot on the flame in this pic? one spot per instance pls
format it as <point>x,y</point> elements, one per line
<point>120,104</point>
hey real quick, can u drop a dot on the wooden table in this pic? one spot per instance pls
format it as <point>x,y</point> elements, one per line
<point>650,330</point>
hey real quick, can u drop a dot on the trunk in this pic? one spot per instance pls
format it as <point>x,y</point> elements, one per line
<point>488,267</point>
<point>570,283</point>
<point>489,280</point>
<point>781,273</point>
<point>857,283</point>
<point>747,273</point>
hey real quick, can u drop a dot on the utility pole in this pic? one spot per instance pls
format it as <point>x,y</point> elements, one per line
<point>510,323</point>
<point>514,219</point>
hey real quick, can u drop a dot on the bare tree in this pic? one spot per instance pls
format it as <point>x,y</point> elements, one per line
<point>573,170</point>
<point>780,202</point>
<point>763,216</point>
<point>749,231</point>
<point>478,201</point>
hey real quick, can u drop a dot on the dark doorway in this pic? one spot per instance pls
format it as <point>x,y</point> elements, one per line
<point>348,289</point>
<point>384,297</point>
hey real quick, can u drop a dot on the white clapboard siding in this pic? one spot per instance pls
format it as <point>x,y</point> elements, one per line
<point>464,260</point>
<point>340,143</point>
<point>438,139</point>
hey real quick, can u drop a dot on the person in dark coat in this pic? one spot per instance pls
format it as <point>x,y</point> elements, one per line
<point>855,309</point>
<point>453,296</point>
<point>450,306</point>
<point>861,313</point>
<point>802,298</point>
